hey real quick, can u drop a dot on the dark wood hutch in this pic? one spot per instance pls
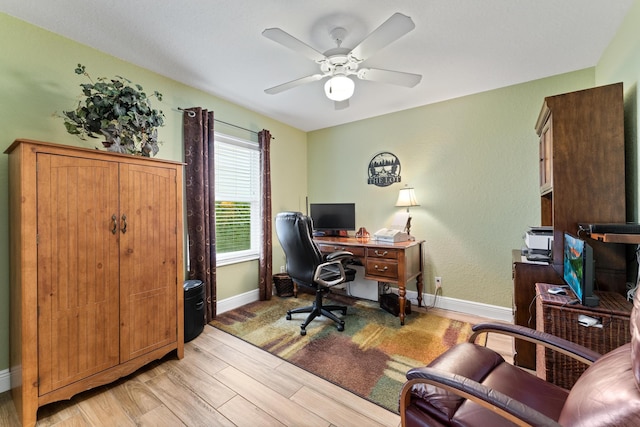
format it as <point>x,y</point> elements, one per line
<point>582,180</point>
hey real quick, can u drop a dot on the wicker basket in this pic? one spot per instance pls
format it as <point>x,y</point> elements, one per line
<point>562,321</point>
<point>284,285</point>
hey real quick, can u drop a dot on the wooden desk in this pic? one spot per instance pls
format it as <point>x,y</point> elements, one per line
<point>385,262</point>
<point>554,316</point>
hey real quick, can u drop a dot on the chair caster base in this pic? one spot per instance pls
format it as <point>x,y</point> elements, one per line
<point>318,310</point>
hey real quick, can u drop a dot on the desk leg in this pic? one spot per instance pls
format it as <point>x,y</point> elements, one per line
<point>401,293</point>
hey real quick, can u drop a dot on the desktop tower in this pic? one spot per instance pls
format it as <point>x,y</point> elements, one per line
<point>361,287</point>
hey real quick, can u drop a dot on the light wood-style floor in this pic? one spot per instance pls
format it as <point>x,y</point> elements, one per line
<point>222,381</point>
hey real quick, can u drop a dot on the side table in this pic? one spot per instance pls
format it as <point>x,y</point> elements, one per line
<point>555,316</point>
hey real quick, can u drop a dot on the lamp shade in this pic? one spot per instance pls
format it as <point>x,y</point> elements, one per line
<point>407,197</point>
<point>339,88</point>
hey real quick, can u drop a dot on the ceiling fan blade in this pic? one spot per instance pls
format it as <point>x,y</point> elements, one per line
<point>387,76</point>
<point>341,105</point>
<point>287,40</point>
<point>294,83</point>
<point>391,30</point>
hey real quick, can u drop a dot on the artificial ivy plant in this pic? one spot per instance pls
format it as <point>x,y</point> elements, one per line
<point>118,110</point>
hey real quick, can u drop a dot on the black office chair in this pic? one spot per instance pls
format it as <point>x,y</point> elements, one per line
<point>307,266</point>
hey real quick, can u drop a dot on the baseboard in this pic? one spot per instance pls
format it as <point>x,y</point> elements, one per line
<point>470,307</point>
<point>5,380</point>
<point>237,301</point>
<point>494,312</point>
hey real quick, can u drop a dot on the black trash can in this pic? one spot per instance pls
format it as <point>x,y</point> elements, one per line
<point>193,309</point>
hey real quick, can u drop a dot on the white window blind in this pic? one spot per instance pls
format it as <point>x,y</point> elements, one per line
<point>237,188</point>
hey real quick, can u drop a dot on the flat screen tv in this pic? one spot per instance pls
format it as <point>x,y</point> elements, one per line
<point>579,269</point>
<point>333,219</point>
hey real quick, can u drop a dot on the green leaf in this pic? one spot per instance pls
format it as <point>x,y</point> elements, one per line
<point>71,128</point>
<point>118,110</point>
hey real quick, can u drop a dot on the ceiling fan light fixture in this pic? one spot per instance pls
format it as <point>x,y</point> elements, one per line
<point>339,88</point>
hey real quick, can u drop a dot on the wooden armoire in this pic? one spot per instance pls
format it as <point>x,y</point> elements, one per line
<point>96,268</point>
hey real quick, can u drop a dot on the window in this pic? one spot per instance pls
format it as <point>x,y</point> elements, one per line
<point>237,187</point>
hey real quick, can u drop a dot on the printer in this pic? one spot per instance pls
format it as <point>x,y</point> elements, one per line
<point>538,244</point>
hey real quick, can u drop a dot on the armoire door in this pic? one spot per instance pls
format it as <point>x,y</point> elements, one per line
<point>78,306</point>
<point>148,256</point>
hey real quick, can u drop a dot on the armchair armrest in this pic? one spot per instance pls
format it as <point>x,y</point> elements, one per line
<point>568,348</point>
<point>513,410</point>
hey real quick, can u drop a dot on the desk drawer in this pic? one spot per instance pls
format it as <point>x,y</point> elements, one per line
<point>328,248</point>
<point>382,268</point>
<point>382,253</point>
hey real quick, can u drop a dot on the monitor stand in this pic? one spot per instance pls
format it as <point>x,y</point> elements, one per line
<point>331,233</point>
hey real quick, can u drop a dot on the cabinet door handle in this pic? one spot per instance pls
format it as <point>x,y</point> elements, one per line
<point>124,224</point>
<point>381,253</point>
<point>114,218</point>
<point>380,269</point>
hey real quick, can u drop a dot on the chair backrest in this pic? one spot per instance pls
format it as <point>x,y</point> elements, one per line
<point>295,232</point>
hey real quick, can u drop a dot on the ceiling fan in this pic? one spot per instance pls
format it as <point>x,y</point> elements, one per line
<point>340,63</point>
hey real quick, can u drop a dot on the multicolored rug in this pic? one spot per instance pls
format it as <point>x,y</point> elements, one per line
<point>369,358</point>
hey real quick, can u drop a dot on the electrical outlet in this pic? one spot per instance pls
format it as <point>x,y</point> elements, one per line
<point>282,270</point>
<point>438,282</point>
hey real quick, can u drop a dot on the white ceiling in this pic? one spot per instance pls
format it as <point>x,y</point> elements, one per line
<point>460,47</point>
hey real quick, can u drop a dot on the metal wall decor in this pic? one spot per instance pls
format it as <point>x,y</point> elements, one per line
<point>384,169</point>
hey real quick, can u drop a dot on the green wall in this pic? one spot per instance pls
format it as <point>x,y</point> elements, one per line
<point>37,79</point>
<point>621,63</point>
<point>473,164</point>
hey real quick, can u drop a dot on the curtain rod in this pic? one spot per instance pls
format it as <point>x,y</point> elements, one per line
<point>193,114</point>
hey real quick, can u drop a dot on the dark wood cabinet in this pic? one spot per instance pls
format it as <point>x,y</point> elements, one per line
<point>582,172</point>
<point>525,276</point>
<point>582,180</point>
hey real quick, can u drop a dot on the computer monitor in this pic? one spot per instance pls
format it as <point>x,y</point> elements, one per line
<point>579,269</point>
<point>333,219</point>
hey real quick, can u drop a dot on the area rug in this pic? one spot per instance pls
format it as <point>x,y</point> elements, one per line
<point>369,358</point>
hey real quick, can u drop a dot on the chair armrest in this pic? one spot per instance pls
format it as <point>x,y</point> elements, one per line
<point>324,268</point>
<point>495,401</point>
<point>339,255</point>
<point>568,348</point>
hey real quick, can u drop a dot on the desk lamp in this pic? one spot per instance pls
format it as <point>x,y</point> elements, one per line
<point>407,197</point>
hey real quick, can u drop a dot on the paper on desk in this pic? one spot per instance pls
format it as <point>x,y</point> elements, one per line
<point>400,221</point>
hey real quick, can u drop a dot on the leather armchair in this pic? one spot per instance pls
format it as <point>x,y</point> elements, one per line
<point>307,267</point>
<point>471,385</point>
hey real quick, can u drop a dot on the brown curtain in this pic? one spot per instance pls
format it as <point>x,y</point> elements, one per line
<point>265,271</point>
<point>198,141</point>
